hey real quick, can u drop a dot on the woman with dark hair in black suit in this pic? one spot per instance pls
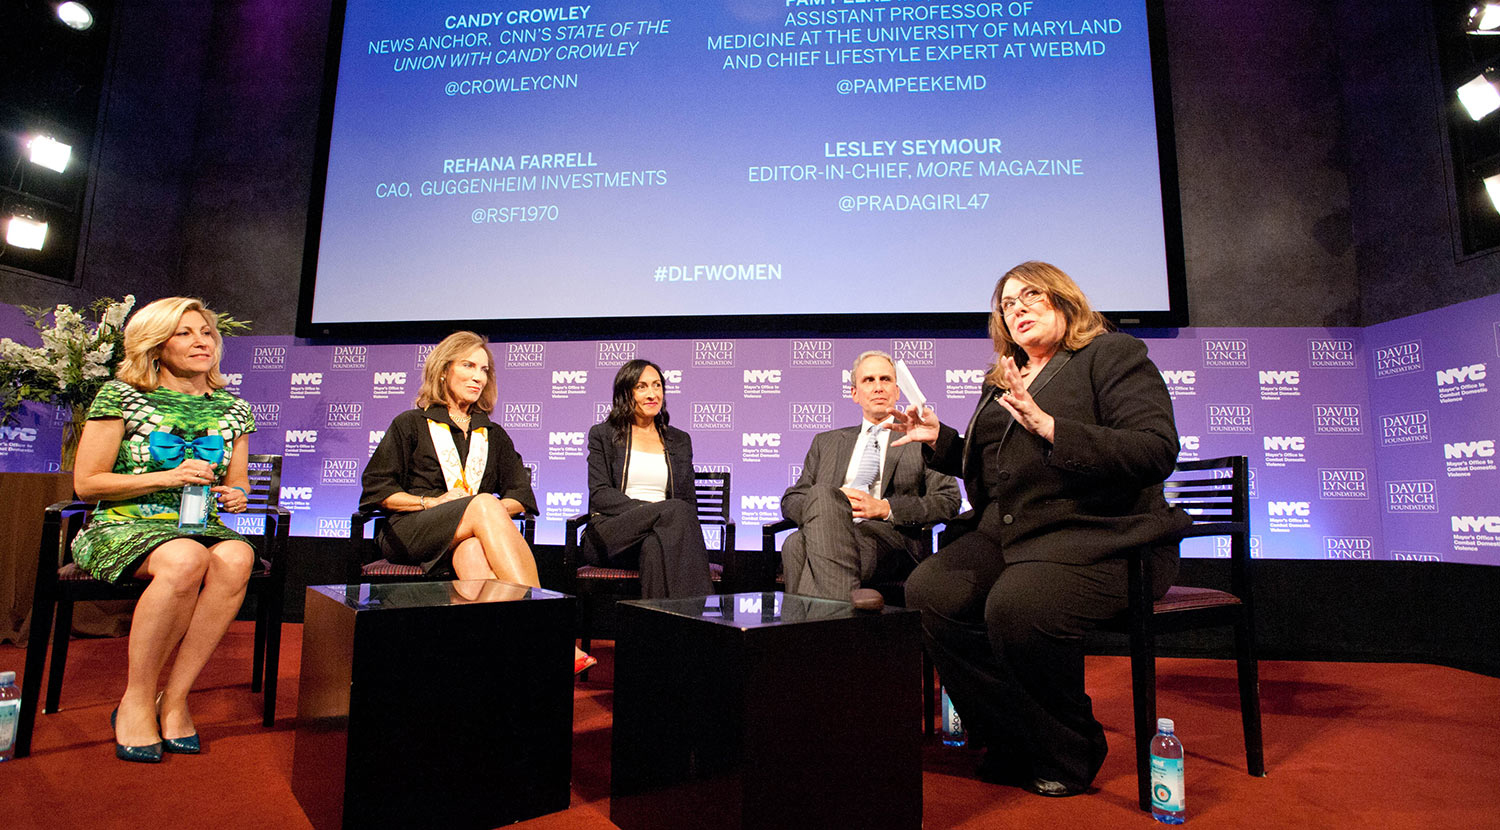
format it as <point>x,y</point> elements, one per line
<point>642,508</point>
<point>1063,461</point>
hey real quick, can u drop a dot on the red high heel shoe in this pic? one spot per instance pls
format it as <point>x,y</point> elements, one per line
<point>584,663</point>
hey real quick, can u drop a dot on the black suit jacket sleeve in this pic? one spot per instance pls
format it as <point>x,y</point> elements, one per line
<point>937,501</point>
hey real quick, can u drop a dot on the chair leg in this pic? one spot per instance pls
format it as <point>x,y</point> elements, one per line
<point>273,602</point>
<point>31,681</point>
<point>62,630</point>
<point>257,659</point>
<point>929,695</point>
<point>1249,677</point>
<point>1143,690</point>
<point>584,623</point>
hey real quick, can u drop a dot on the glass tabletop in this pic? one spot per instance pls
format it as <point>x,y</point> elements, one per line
<point>427,594</point>
<point>756,610</point>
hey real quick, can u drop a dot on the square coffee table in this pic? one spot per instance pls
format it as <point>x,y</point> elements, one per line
<point>766,710</point>
<point>434,704</point>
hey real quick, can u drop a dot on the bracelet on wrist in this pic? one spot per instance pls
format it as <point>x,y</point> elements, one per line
<point>242,490</point>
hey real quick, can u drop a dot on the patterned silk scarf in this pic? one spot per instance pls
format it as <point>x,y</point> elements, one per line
<point>458,474</point>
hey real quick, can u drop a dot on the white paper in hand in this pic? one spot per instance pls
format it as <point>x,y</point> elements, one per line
<point>908,385</point>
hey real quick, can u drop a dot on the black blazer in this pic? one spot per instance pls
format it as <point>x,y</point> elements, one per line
<point>1094,492</point>
<point>607,470</point>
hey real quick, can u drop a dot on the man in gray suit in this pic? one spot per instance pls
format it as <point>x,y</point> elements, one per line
<point>860,505</point>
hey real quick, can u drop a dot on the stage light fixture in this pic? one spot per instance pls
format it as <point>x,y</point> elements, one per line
<point>75,16</point>
<point>1492,187</point>
<point>1480,96</point>
<point>1484,19</point>
<point>25,231</point>
<point>49,152</point>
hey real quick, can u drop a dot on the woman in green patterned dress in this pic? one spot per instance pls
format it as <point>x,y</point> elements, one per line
<point>164,423</point>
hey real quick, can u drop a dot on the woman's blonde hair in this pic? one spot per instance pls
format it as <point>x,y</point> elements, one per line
<point>1083,323</point>
<point>149,328</point>
<point>440,359</point>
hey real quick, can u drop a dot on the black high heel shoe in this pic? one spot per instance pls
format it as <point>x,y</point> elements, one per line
<point>177,746</point>
<point>148,754</point>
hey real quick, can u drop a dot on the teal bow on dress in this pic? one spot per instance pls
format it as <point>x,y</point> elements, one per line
<point>168,449</point>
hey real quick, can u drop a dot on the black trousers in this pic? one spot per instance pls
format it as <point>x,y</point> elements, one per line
<point>661,539</point>
<point>1008,642</point>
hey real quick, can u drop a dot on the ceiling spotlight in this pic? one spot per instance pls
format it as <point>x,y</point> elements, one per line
<point>75,16</point>
<point>23,231</point>
<point>1480,97</point>
<point>49,152</point>
<point>1484,19</point>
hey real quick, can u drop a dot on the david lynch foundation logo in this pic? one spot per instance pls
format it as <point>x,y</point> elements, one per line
<point>1226,353</point>
<point>521,415</point>
<point>1398,359</point>
<point>710,353</point>
<point>1331,353</point>
<point>1401,428</point>
<point>268,358</point>
<point>1230,417</point>
<point>1348,547</point>
<point>612,353</point>
<point>1338,419</point>
<point>1343,484</point>
<point>915,352</point>
<point>351,358</point>
<point>811,415</point>
<point>525,355</point>
<point>1414,496</point>
<point>812,353</point>
<point>709,415</point>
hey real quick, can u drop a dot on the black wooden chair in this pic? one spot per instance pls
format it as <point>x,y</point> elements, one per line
<point>595,584</point>
<point>365,564</point>
<point>1216,493</point>
<point>60,583</point>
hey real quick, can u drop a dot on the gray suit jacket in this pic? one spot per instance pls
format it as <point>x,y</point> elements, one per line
<point>918,495</point>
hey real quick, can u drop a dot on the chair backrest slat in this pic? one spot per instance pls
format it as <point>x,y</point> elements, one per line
<point>712,493</point>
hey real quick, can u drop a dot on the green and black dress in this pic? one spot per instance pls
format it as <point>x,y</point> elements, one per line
<point>162,427</point>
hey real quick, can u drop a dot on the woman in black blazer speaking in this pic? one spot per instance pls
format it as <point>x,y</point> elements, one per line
<point>643,511</point>
<point>1063,461</point>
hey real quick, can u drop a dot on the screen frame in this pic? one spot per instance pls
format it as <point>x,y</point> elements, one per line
<point>739,325</point>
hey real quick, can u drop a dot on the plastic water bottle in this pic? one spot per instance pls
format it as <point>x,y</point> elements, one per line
<point>953,728</point>
<point>10,713</point>
<point>192,511</point>
<point>1168,800</point>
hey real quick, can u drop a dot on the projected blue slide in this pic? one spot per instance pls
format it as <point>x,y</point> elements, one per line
<point>523,160</point>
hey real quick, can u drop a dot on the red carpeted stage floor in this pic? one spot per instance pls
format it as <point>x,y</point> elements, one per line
<point>1348,745</point>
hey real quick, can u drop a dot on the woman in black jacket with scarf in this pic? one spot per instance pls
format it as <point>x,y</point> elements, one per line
<point>642,507</point>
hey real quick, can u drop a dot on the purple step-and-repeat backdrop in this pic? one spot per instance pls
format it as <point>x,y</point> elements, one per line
<point>1375,443</point>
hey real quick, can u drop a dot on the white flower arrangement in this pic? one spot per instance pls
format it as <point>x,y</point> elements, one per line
<point>76,358</point>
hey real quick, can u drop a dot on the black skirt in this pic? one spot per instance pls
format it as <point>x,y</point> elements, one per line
<point>424,537</point>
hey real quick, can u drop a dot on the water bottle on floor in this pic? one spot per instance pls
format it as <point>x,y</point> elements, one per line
<point>10,712</point>
<point>1168,804</point>
<point>953,728</point>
